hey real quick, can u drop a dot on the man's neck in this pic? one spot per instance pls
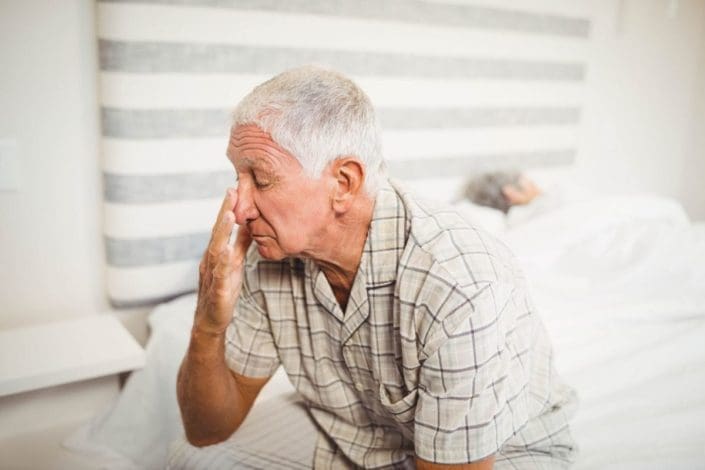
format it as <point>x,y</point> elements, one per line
<point>340,260</point>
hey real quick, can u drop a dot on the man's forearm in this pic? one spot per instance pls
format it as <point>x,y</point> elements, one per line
<point>212,407</point>
<point>485,464</point>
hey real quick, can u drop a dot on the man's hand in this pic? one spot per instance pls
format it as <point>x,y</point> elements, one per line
<point>214,400</point>
<point>220,271</point>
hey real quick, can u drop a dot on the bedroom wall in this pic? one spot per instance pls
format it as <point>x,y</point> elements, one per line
<point>644,76</point>
<point>693,190</point>
<point>50,248</point>
<point>646,85</point>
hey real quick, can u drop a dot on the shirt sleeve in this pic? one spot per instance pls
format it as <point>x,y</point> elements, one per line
<point>249,345</point>
<point>473,389</point>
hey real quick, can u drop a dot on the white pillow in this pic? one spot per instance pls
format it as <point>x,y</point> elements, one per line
<point>487,218</point>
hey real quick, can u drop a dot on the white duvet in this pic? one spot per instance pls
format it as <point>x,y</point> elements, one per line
<point>620,283</point>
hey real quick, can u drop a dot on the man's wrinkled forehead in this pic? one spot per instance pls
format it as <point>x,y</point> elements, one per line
<point>251,146</point>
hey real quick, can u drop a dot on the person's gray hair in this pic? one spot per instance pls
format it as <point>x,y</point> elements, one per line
<point>486,189</point>
<point>317,115</point>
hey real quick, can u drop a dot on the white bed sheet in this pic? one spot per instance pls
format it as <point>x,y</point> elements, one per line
<point>620,283</point>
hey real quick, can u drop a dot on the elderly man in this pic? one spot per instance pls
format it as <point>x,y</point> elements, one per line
<point>408,333</point>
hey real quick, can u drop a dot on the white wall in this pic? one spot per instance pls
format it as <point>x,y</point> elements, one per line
<point>50,243</point>
<point>693,190</point>
<point>638,125</point>
<point>644,131</point>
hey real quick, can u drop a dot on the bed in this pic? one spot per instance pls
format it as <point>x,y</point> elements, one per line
<point>619,284</point>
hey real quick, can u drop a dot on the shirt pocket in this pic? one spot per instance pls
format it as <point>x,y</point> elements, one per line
<point>402,411</point>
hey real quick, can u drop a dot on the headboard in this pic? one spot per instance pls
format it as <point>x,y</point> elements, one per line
<point>459,87</point>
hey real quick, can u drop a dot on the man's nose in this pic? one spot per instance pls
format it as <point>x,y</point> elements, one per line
<point>245,209</point>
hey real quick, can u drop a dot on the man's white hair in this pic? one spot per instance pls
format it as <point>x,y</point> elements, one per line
<point>317,115</point>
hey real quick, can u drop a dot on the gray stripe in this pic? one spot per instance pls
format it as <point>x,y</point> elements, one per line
<point>146,301</point>
<point>125,253</point>
<point>155,57</point>
<point>166,123</point>
<point>448,167</point>
<point>144,189</point>
<point>166,187</point>
<point>409,11</point>
<point>406,118</point>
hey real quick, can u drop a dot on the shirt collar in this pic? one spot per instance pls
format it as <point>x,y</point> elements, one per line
<point>386,238</point>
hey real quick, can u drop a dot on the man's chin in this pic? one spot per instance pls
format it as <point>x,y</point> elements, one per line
<point>270,253</point>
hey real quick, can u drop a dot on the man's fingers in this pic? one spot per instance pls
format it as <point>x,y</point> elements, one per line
<point>223,266</point>
<point>227,206</point>
<point>224,287</point>
<point>221,233</point>
<point>223,224</point>
<point>203,275</point>
<point>242,243</point>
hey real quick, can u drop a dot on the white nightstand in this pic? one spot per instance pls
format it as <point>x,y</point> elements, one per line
<point>63,371</point>
<point>56,353</point>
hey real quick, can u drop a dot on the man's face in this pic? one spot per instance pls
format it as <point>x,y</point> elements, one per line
<point>285,211</point>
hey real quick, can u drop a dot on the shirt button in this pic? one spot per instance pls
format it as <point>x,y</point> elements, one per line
<point>358,386</point>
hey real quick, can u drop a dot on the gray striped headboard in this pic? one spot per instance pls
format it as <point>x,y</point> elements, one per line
<point>458,86</point>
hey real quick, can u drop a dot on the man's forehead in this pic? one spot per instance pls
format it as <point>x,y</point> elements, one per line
<point>250,146</point>
<point>250,132</point>
<point>253,160</point>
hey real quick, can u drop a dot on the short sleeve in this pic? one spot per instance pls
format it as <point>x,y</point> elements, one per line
<point>249,345</point>
<point>473,390</point>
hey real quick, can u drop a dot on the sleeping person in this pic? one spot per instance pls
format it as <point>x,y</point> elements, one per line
<point>409,335</point>
<point>514,194</point>
<point>501,190</point>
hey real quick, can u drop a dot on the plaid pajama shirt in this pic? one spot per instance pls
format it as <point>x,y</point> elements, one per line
<point>439,353</point>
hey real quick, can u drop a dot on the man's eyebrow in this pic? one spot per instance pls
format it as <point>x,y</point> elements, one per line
<point>254,163</point>
<point>247,162</point>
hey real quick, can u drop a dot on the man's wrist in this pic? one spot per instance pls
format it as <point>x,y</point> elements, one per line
<point>206,327</point>
<point>206,341</point>
<point>207,332</point>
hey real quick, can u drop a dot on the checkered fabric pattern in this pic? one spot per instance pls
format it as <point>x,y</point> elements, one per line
<point>439,353</point>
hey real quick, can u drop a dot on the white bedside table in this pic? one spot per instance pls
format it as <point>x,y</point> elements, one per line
<point>61,372</point>
<point>39,356</point>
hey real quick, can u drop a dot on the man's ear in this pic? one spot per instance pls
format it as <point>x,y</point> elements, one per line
<point>349,174</point>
